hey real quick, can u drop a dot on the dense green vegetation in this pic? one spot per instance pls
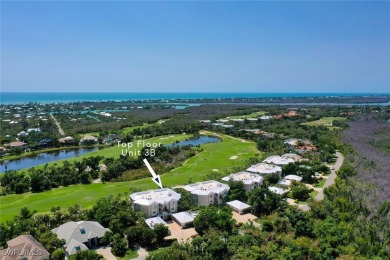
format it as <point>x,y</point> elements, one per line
<point>196,168</point>
<point>347,224</point>
<point>127,227</point>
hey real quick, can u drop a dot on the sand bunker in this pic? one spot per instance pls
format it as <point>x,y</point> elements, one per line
<point>233,157</point>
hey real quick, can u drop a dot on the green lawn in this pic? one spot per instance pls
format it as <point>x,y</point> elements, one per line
<point>251,115</point>
<point>130,254</point>
<point>321,183</point>
<point>324,121</point>
<point>313,194</point>
<point>129,130</point>
<point>214,156</point>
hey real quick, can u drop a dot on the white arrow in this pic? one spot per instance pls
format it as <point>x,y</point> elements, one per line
<point>156,178</point>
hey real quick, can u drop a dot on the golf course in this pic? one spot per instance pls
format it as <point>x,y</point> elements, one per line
<point>115,151</point>
<point>325,121</point>
<point>215,157</point>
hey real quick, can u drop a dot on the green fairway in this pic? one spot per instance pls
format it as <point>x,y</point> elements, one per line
<point>129,130</point>
<point>251,115</point>
<point>325,121</point>
<point>214,156</point>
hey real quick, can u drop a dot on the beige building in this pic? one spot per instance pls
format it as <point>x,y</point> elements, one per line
<point>251,180</point>
<point>155,202</point>
<point>208,192</point>
<point>24,247</point>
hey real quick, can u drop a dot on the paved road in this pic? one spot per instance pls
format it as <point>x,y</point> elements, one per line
<point>58,125</point>
<point>332,176</point>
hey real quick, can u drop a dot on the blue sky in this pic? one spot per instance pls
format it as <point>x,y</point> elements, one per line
<point>195,46</point>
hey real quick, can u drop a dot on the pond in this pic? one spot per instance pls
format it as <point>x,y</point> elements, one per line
<point>196,141</point>
<point>42,158</point>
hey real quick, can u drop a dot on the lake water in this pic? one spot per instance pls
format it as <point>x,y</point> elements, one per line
<point>197,141</point>
<point>42,158</point>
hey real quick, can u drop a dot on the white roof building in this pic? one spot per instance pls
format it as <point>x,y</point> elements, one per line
<point>33,130</point>
<point>293,156</point>
<point>79,234</point>
<point>238,206</point>
<point>293,177</point>
<point>277,190</point>
<point>154,221</point>
<point>208,192</point>
<point>184,219</point>
<point>265,168</point>
<point>154,202</point>
<point>278,160</point>
<point>292,141</point>
<point>287,180</point>
<point>250,180</point>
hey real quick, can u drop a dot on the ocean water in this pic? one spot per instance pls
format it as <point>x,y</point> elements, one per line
<point>57,97</point>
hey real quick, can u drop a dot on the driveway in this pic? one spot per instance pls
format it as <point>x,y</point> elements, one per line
<point>182,235</point>
<point>106,253</point>
<point>332,176</point>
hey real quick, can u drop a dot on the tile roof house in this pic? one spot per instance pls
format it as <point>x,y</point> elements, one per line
<point>88,139</point>
<point>17,144</point>
<point>24,247</point>
<point>66,140</point>
<point>80,235</point>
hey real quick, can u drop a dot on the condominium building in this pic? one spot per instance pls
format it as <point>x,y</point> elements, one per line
<point>208,192</point>
<point>265,168</point>
<point>278,160</point>
<point>251,180</point>
<point>155,202</point>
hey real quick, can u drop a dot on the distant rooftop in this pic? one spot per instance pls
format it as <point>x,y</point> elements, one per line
<point>245,177</point>
<point>264,168</point>
<point>206,187</point>
<point>278,160</point>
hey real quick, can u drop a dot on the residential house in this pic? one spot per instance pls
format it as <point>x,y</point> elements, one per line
<point>156,202</point>
<point>80,236</point>
<point>24,247</point>
<point>66,140</point>
<point>89,139</point>
<point>18,144</point>
<point>208,192</point>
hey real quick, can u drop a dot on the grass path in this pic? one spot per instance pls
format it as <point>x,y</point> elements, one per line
<point>214,156</point>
